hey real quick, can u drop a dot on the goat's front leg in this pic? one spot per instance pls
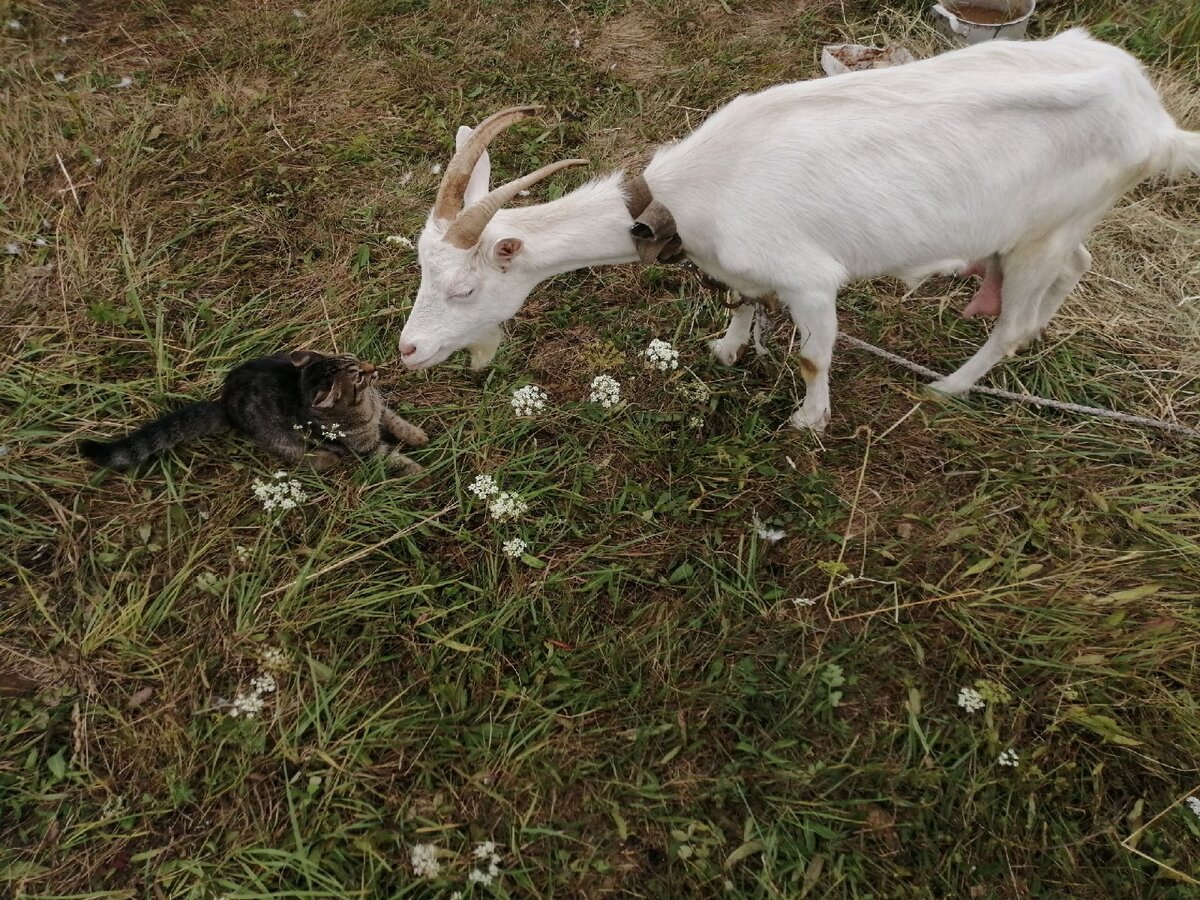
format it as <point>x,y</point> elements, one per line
<point>485,347</point>
<point>815,315</point>
<point>728,347</point>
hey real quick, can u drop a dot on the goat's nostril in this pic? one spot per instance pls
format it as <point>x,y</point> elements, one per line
<point>408,349</point>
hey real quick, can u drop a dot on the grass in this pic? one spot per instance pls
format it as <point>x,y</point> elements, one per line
<point>641,707</point>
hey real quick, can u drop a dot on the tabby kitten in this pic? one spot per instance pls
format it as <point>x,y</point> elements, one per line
<point>278,402</point>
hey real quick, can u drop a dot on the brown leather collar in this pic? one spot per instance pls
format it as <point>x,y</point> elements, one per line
<point>653,228</point>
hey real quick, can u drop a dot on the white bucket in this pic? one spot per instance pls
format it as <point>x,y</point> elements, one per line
<point>975,21</point>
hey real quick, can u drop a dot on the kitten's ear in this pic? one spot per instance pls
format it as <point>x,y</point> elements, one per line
<point>301,358</point>
<point>328,397</point>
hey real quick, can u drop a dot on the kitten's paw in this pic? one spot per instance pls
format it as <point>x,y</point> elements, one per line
<point>414,436</point>
<point>401,464</point>
<point>322,459</point>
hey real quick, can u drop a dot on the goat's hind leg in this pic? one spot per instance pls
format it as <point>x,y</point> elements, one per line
<point>815,315</point>
<point>1031,272</point>
<point>728,347</point>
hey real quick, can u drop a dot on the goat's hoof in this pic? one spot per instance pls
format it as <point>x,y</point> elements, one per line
<point>813,420</point>
<point>948,387</point>
<point>726,354</point>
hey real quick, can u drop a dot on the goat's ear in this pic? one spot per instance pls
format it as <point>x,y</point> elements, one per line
<point>505,251</point>
<point>477,186</point>
<point>301,358</point>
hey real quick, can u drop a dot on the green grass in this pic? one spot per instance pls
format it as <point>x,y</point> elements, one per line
<point>640,707</point>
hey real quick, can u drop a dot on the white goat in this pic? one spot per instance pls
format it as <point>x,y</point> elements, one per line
<point>1004,151</point>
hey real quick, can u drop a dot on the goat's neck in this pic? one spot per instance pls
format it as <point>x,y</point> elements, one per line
<point>588,227</point>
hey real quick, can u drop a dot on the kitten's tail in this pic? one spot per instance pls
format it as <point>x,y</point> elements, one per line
<point>191,421</point>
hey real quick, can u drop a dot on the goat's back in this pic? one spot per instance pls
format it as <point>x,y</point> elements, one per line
<point>880,169</point>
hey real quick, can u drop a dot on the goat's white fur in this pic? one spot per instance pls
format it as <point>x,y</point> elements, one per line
<point>1009,148</point>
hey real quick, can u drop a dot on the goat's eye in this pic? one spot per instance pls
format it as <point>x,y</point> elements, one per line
<point>463,295</point>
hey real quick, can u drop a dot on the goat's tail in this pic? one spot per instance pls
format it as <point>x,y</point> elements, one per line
<point>191,421</point>
<point>1182,156</point>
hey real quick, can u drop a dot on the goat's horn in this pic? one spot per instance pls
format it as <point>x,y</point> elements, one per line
<point>462,164</point>
<point>469,225</point>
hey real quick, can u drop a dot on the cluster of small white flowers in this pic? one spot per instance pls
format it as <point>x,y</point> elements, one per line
<point>971,700</point>
<point>804,601</point>
<point>126,81</point>
<point>484,486</point>
<point>1194,805</point>
<point>246,705</point>
<point>766,533</point>
<point>515,548</point>
<point>424,860</point>
<point>694,392</point>
<point>1009,758</point>
<point>606,391</point>
<point>399,239</point>
<point>662,356</point>
<point>436,168</point>
<point>274,659</point>
<point>485,852</point>
<point>529,400</point>
<point>332,431</point>
<point>264,683</point>
<point>507,505</point>
<point>13,24</point>
<point>60,77</point>
<point>243,553</point>
<point>12,249</point>
<point>281,493</point>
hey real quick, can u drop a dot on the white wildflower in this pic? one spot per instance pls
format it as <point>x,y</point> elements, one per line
<point>242,553</point>
<point>484,850</point>
<point>971,700</point>
<point>299,14</point>
<point>399,239</point>
<point>12,249</point>
<point>529,400</point>
<point>40,242</point>
<point>478,876</point>
<point>264,683</point>
<point>126,81</point>
<point>97,161</point>
<point>281,493</point>
<point>662,356</point>
<point>424,860</point>
<point>695,420</point>
<point>246,705</point>
<point>522,193</point>
<point>507,505</point>
<point>606,391</point>
<point>514,548</point>
<point>457,895</point>
<point>436,168</point>
<point>60,77</point>
<point>62,38</point>
<point>331,431</point>
<point>1009,758</point>
<point>14,25</point>
<point>1194,805</point>
<point>483,486</point>
<point>274,659</point>
<point>804,601</point>
<point>766,533</point>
